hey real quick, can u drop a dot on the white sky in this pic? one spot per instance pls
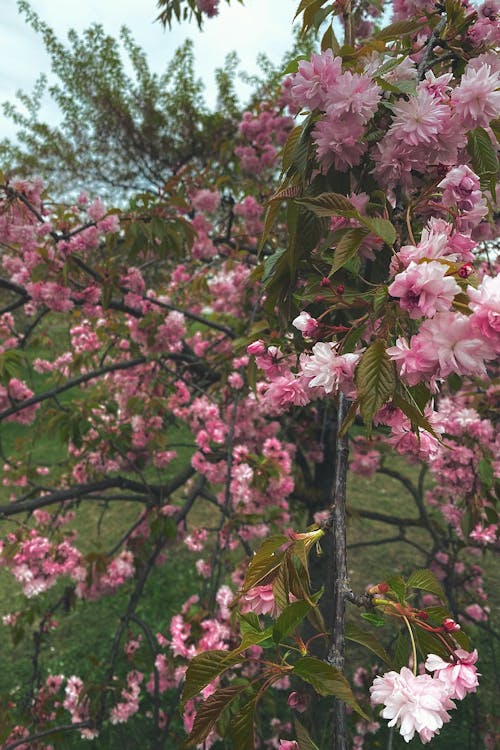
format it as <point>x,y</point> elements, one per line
<point>258,26</point>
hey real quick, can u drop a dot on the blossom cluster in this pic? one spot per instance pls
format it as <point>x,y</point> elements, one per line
<point>421,702</point>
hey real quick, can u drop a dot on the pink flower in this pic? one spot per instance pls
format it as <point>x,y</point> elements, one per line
<point>424,289</point>
<point>477,99</point>
<point>485,303</point>
<point>420,119</point>
<point>414,703</point>
<point>329,370</point>
<point>260,599</point>
<point>458,676</point>
<point>306,324</point>
<point>311,83</point>
<point>483,535</point>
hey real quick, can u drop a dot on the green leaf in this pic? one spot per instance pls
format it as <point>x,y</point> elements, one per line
<point>209,711</point>
<point>266,561</point>
<point>289,619</point>
<point>401,651</point>
<point>381,227</point>
<point>414,414</point>
<point>375,380</point>
<point>428,643</point>
<point>241,727</point>
<point>347,247</point>
<point>427,581</point>
<point>483,154</point>
<point>368,640</point>
<point>485,471</point>
<point>326,680</point>
<point>398,29</point>
<point>304,741</point>
<point>330,204</point>
<point>203,669</point>
<point>398,586</point>
<point>376,620</point>
<point>380,299</point>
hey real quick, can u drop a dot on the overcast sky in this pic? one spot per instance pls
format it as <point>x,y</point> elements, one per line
<point>258,26</point>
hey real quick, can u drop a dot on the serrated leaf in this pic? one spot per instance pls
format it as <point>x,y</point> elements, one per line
<point>304,740</point>
<point>241,727</point>
<point>202,670</point>
<point>486,474</point>
<point>290,619</point>
<point>413,414</point>
<point>398,29</point>
<point>326,680</point>
<point>483,154</point>
<point>209,711</point>
<point>379,299</point>
<point>375,381</point>
<point>347,247</point>
<point>401,652</point>
<point>330,204</point>
<point>265,561</point>
<point>398,586</point>
<point>376,620</point>
<point>428,643</point>
<point>368,640</point>
<point>427,581</point>
<point>381,227</point>
<point>249,621</point>
<point>271,215</point>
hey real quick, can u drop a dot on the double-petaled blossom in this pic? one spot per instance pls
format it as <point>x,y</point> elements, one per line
<point>477,98</point>
<point>485,305</point>
<point>458,676</point>
<point>413,703</point>
<point>328,370</point>
<point>444,344</point>
<point>419,120</point>
<point>424,289</point>
<point>313,80</point>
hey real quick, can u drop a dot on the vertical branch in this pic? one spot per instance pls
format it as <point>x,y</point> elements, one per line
<point>347,19</point>
<point>340,582</point>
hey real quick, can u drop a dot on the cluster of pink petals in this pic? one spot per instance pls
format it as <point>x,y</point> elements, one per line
<point>447,343</point>
<point>477,98</point>
<point>458,676</point>
<point>326,369</point>
<point>424,289</point>
<point>349,100</point>
<point>485,306</point>
<point>414,703</point>
<point>260,600</point>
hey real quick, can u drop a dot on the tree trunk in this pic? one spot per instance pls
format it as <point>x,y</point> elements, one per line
<point>338,518</point>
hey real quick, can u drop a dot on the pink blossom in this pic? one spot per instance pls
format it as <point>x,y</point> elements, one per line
<point>424,289</point>
<point>327,369</point>
<point>414,703</point>
<point>306,324</point>
<point>419,120</point>
<point>476,98</point>
<point>206,200</point>
<point>485,304</point>
<point>311,83</point>
<point>260,599</point>
<point>484,535</point>
<point>459,676</point>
